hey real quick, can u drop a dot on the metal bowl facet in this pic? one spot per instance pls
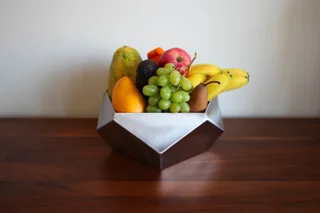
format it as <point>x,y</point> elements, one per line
<point>160,139</point>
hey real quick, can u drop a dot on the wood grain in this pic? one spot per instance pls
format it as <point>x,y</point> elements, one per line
<point>62,165</point>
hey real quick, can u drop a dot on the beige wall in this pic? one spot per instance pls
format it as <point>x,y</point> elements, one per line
<point>55,54</point>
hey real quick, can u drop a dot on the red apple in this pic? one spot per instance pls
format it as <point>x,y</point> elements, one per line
<point>179,57</point>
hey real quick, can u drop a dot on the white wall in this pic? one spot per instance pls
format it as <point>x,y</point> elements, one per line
<point>55,54</point>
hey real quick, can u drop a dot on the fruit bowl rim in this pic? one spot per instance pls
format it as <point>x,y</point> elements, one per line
<point>137,113</point>
<point>108,113</point>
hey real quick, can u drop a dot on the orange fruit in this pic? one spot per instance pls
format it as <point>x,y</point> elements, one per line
<point>126,97</point>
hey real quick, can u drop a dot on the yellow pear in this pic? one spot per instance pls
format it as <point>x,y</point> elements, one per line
<point>126,97</point>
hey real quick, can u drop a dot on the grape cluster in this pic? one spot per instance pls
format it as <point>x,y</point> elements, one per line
<point>168,91</point>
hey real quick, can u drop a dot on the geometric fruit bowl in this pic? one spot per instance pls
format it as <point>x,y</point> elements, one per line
<point>164,109</point>
<point>173,138</point>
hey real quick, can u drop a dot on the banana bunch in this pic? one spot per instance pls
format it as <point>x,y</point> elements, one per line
<point>217,80</point>
<point>239,78</point>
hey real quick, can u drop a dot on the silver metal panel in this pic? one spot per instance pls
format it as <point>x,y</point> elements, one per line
<point>213,113</point>
<point>160,139</point>
<point>159,130</point>
<point>106,111</point>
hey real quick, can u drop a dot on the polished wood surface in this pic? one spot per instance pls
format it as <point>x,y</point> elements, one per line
<point>62,165</point>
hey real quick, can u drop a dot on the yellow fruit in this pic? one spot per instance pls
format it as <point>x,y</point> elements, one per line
<point>235,82</point>
<point>208,70</point>
<point>124,63</point>
<point>216,84</point>
<point>126,97</point>
<point>197,79</point>
<point>235,71</point>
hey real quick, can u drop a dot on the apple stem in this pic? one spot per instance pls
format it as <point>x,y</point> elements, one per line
<point>188,69</point>
<point>194,58</point>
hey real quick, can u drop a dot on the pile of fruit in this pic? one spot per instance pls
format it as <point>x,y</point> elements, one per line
<point>167,81</point>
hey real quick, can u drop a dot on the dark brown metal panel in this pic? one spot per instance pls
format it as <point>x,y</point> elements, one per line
<point>198,141</point>
<point>123,142</point>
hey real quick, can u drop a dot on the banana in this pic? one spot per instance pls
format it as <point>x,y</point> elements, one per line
<point>208,70</point>
<point>235,71</point>
<point>235,82</point>
<point>216,84</point>
<point>197,79</point>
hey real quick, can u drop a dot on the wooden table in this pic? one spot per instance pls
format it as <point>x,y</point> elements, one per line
<point>61,165</point>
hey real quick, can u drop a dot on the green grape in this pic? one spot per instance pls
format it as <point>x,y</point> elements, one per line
<point>173,88</point>
<point>150,90</point>
<point>189,91</point>
<point>165,92</point>
<point>153,109</point>
<point>175,78</point>
<point>170,66</point>
<point>154,100</point>
<point>163,80</point>
<point>162,71</point>
<point>164,104</point>
<point>184,107</point>
<point>174,107</point>
<point>185,96</point>
<point>185,84</point>
<point>176,97</point>
<point>153,80</point>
